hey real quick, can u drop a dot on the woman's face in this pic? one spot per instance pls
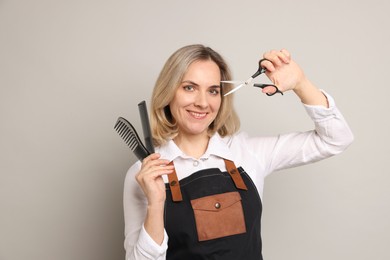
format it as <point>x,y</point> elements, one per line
<point>197,99</point>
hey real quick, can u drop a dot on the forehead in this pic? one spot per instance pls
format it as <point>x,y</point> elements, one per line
<point>203,69</point>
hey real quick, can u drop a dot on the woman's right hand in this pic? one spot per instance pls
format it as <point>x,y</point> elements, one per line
<point>150,178</point>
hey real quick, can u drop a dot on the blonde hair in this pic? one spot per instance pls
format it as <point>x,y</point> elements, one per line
<point>162,124</point>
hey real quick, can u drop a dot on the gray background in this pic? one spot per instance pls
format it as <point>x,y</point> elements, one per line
<point>68,69</point>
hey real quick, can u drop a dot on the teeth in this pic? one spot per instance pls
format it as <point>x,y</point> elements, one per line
<point>198,115</point>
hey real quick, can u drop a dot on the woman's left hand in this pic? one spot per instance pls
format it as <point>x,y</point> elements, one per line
<point>287,75</point>
<point>282,70</point>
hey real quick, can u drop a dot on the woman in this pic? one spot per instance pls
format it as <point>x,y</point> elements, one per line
<point>199,195</point>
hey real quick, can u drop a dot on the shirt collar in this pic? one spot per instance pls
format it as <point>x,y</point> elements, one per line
<point>217,147</point>
<point>170,151</point>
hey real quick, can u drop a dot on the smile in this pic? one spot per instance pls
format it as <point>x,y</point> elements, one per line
<point>197,115</point>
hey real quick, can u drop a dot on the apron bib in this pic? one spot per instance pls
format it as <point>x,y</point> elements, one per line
<point>213,215</point>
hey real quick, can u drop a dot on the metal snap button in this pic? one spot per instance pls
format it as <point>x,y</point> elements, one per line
<point>217,205</point>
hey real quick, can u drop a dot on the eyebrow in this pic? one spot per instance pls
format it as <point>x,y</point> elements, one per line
<point>189,81</point>
<point>193,83</point>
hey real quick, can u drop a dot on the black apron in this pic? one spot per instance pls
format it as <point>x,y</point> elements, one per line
<point>213,215</point>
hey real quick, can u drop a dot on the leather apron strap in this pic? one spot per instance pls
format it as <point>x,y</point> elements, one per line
<point>174,185</point>
<point>231,168</point>
<point>235,174</point>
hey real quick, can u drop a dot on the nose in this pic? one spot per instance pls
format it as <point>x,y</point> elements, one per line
<point>201,100</point>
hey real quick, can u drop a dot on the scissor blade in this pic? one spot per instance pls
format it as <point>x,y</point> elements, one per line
<point>232,81</point>
<point>235,89</point>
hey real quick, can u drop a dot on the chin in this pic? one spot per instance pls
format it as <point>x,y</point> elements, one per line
<point>197,131</point>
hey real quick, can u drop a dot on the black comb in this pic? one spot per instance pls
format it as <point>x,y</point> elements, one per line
<point>131,138</point>
<point>143,112</point>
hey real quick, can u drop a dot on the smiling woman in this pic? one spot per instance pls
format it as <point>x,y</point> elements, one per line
<point>196,104</point>
<point>175,73</point>
<point>195,189</point>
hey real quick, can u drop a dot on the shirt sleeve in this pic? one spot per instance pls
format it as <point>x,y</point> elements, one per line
<point>138,244</point>
<point>330,136</point>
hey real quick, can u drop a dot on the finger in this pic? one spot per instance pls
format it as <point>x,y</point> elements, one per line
<point>286,55</point>
<point>157,171</point>
<point>268,65</point>
<point>153,173</point>
<point>273,56</point>
<point>156,165</point>
<point>153,159</point>
<point>156,162</point>
<point>278,58</point>
<point>268,90</point>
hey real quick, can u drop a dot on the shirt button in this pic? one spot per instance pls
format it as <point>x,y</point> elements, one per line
<point>196,163</point>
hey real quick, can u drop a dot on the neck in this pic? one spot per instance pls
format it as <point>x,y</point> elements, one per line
<point>194,146</point>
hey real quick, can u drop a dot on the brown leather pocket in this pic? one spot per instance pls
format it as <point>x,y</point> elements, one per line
<point>219,215</point>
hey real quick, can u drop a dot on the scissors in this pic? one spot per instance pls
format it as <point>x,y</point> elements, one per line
<point>248,82</point>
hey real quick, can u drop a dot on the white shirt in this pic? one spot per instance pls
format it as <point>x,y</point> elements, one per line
<point>259,156</point>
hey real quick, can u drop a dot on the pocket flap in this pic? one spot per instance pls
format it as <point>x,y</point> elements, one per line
<point>216,202</point>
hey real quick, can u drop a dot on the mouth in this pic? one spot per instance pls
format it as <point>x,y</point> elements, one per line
<point>198,115</point>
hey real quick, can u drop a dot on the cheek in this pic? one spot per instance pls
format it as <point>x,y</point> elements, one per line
<point>181,98</point>
<point>216,105</point>
<point>177,104</point>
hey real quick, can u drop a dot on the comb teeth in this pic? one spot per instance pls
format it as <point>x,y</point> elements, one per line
<point>126,134</point>
<point>131,138</point>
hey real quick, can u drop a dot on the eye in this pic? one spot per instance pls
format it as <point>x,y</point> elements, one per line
<point>188,88</point>
<point>214,91</point>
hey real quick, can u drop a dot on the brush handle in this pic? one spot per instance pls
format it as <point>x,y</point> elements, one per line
<point>143,112</point>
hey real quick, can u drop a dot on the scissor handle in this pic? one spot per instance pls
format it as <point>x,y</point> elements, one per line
<point>260,70</point>
<point>268,85</point>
